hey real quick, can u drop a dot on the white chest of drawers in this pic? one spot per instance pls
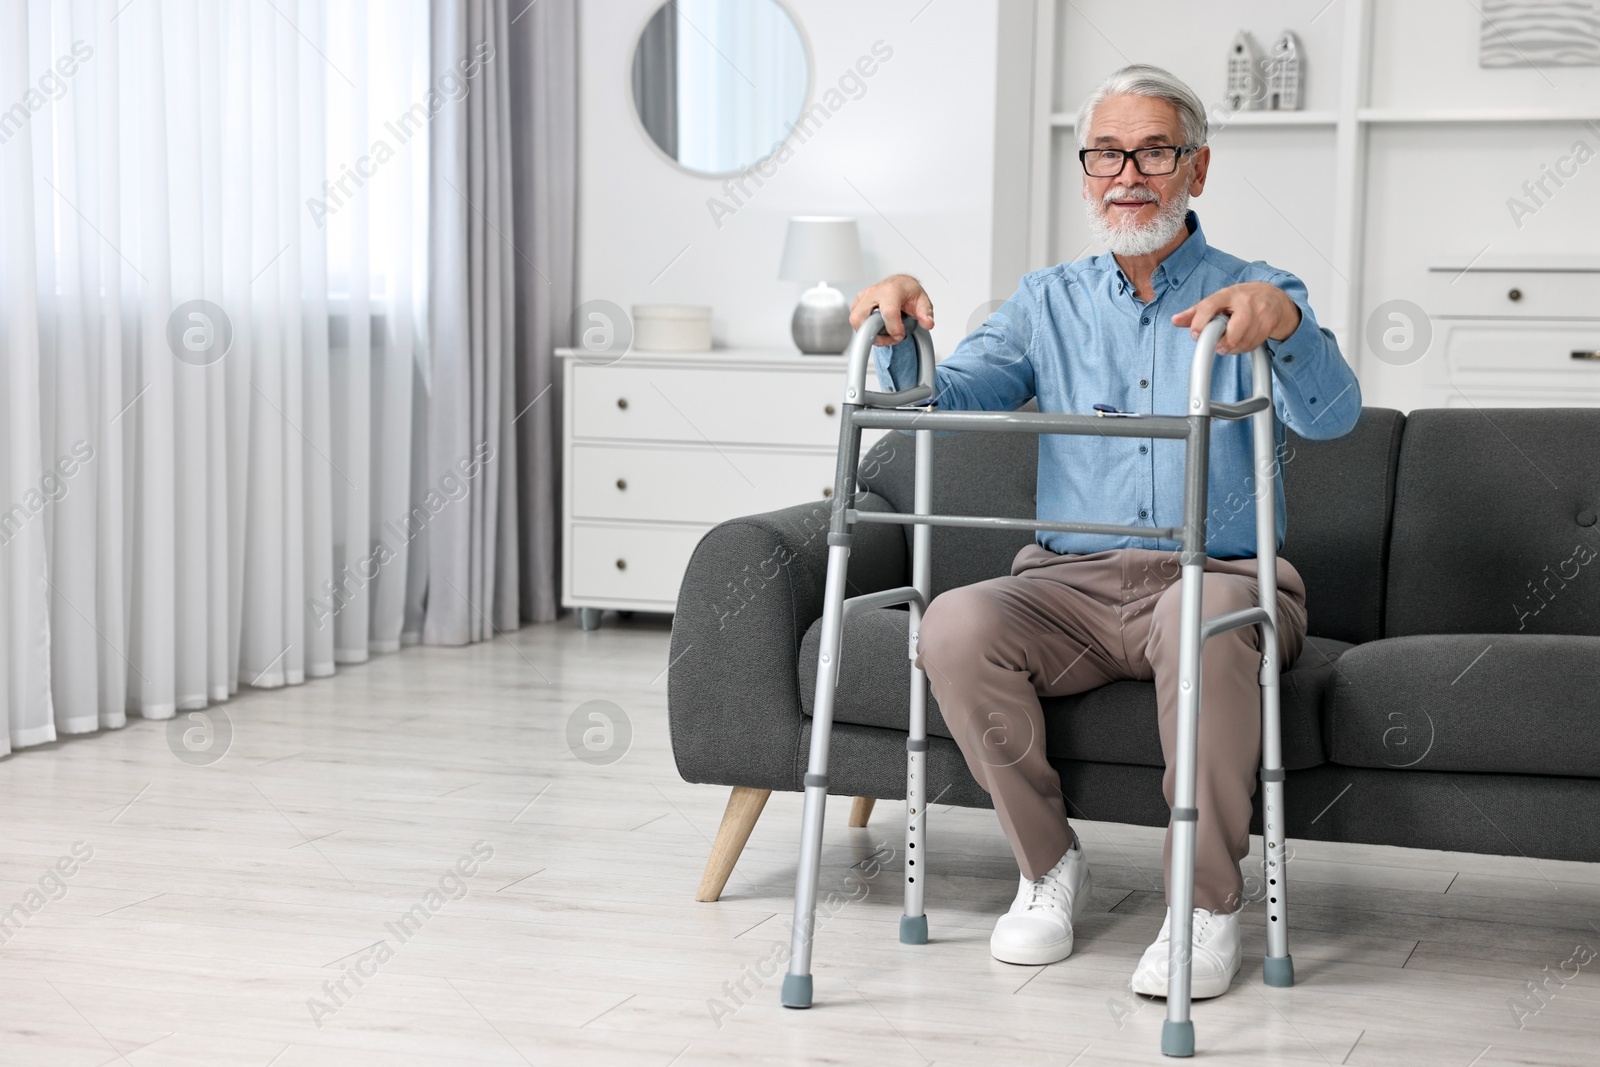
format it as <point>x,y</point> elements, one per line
<point>661,446</point>
<point>1514,332</point>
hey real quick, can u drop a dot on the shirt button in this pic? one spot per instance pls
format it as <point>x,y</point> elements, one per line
<point>1143,513</point>
<point>1143,449</point>
<point>1144,383</point>
<point>1289,358</point>
<point>1145,320</point>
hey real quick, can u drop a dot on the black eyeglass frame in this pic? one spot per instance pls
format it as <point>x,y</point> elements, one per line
<point>1179,151</point>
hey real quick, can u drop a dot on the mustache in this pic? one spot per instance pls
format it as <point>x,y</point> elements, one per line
<point>1130,192</point>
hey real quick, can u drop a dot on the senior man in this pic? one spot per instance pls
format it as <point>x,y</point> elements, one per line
<point>1080,610</point>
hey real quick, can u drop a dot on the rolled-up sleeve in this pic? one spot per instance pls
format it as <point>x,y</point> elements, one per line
<point>1315,391</point>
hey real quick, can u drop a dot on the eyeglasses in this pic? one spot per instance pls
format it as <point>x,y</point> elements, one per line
<point>1152,162</point>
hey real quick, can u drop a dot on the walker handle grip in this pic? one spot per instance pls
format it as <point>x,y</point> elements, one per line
<point>855,391</point>
<point>1205,358</point>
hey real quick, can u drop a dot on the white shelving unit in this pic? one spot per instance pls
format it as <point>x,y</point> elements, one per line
<point>1385,110</point>
<point>1066,120</point>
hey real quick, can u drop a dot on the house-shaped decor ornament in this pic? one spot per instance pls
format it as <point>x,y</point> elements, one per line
<point>1283,74</point>
<point>1244,92</point>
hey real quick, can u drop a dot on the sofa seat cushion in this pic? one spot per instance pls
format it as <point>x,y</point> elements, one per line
<point>1490,703</point>
<point>1113,724</point>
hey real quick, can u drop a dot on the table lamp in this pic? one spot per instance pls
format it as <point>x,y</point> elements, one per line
<point>817,249</point>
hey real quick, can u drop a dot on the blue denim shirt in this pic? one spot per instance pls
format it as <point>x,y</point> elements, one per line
<point>1075,335</point>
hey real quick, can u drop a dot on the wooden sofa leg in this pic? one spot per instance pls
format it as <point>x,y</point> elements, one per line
<point>738,819</point>
<point>861,810</point>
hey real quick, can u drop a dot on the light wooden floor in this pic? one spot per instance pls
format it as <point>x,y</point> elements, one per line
<point>219,900</point>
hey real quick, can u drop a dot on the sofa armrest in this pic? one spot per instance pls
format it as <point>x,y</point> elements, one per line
<point>753,588</point>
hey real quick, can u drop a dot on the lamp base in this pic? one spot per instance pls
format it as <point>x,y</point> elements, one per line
<point>821,323</point>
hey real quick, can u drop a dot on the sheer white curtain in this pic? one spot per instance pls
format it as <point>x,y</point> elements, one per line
<point>198,496</point>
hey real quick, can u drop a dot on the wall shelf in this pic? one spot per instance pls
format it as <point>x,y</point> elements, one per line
<point>1375,116</point>
<point>1380,115</point>
<point>1464,264</point>
<point>1064,120</point>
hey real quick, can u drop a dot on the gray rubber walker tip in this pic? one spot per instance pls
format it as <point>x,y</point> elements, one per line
<point>797,991</point>
<point>1278,971</point>
<point>1177,1039</point>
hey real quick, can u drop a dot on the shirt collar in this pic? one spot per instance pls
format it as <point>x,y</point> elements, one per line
<point>1173,270</point>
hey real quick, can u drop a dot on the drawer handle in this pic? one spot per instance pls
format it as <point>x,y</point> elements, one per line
<point>1593,354</point>
<point>1514,295</point>
<point>828,410</point>
<point>622,483</point>
<point>622,564</point>
<point>622,402</point>
<point>827,491</point>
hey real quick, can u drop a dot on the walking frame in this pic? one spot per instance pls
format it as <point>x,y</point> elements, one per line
<point>863,409</point>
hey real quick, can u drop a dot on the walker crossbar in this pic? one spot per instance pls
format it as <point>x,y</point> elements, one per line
<point>997,523</point>
<point>864,409</point>
<point>1028,422</point>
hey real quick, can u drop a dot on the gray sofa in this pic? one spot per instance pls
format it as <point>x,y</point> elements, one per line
<point>1448,696</point>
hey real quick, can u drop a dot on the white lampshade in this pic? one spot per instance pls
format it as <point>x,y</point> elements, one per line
<point>821,249</point>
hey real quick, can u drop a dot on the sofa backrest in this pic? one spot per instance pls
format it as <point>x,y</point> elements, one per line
<point>1495,523</point>
<point>973,474</point>
<point>1340,497</point>
<point>1338,492</point>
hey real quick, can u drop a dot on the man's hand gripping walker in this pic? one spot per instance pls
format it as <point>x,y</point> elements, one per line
<point>871,410</point>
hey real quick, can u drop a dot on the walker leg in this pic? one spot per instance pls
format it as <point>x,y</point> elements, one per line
<point>914,922</point>
<point>1177,1034</point>
<point>797,982</point>
<point>1278,968</point>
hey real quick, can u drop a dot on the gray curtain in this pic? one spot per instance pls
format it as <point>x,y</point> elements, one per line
<point>655,78</point>
<point>471,461</point>
<point>544,172</point>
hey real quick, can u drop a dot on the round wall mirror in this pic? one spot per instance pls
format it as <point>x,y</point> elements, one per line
<point>718,84</point>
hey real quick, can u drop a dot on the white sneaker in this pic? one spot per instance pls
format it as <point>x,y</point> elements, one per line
<point>1038,928</point>
<point>1216,957</point>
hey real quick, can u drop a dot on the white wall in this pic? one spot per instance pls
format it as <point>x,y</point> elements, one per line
<point>917,146</point>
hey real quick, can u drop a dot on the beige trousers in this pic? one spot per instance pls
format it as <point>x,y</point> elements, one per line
<point>1061,624</point>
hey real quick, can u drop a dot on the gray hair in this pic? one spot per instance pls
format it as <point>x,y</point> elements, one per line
<point>1142,79</point>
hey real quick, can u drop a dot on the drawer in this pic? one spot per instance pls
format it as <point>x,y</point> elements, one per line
<point>1513,294</point>
<point>1517,357</point>
<point>703,485</point>
<point>700,404</point>
<point>652,561</point>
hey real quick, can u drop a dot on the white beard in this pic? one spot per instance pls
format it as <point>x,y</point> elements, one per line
<point>1133,240</point>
